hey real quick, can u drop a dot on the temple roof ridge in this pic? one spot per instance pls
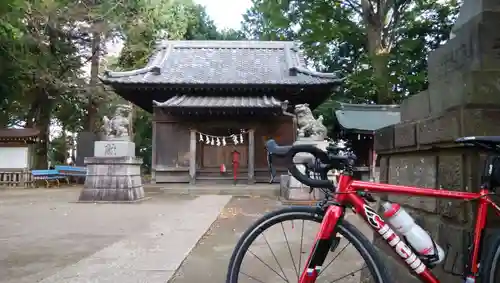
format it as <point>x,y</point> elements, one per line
<point>223,62</point>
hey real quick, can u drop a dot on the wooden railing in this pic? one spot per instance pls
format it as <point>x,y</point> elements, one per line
<point>20,179</point>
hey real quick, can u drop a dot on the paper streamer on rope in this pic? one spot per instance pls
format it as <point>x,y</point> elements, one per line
<point>235,139</point>
<point>221,140</point>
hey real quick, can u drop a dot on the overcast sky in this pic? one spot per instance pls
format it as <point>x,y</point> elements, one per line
<point>226,13</point>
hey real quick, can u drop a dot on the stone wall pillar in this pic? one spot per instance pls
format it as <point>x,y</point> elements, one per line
<point>463,99</point>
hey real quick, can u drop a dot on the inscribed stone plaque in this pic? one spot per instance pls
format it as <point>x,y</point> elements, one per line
<point>114,149</point>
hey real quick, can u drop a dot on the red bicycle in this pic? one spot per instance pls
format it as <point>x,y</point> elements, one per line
<point>484,255</point>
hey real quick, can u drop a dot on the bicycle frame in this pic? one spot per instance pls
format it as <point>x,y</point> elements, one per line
<point>347,194</point>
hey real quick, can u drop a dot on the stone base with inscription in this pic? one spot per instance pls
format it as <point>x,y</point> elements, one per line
<point>112,176</point>
<point>114,148</point>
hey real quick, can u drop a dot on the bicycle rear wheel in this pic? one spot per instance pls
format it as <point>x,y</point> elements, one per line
<point>490,262</point>
<point>353,236</point>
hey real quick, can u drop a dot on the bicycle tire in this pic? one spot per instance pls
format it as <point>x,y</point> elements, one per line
<point>375,265</point>
<point>490,262</point>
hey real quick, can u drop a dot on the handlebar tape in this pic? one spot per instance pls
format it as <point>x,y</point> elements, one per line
<point>301,177</point>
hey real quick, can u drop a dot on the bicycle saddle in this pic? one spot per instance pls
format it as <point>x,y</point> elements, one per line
<point>485,139</point>
<point>273,148</point>
<point>488,142</point>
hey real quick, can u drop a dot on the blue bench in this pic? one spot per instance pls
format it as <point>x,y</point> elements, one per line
<point>47,176</point>
<point>71,171</point>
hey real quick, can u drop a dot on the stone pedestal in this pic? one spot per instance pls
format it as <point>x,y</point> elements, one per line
<point>294,189</point>
<point>114,174</point>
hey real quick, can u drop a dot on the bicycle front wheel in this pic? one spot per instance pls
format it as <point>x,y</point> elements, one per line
<point>299,219</point>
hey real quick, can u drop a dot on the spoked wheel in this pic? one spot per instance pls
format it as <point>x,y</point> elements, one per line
<point>277,246</point>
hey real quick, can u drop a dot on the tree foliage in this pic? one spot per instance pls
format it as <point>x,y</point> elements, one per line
<point>52,51</point>
<point>380,46</point>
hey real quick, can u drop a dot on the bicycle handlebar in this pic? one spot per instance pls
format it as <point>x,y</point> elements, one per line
<point>328,160</point>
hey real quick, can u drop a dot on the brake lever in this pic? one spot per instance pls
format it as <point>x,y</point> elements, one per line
<point>272,171</point>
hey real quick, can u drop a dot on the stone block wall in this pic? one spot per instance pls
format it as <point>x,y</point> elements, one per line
<point>420,151</point>
<point>463,99</point>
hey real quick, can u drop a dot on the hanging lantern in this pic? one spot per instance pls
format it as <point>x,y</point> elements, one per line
<point>218,142</point>
<point>201,137</point>
<point>207,139</point>
<point>224,141</point>
<point>241,138</point>
<point>213,141</point>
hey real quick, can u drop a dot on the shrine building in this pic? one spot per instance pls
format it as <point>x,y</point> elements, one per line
<point>210,99</point>
<point>356,124</point>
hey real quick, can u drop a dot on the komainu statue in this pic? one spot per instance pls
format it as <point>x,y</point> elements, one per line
<point>117,127</point>
<point>308,126</point>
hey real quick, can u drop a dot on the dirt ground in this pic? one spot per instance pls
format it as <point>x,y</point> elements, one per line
<point>209,260</point>
<point>46,237</point>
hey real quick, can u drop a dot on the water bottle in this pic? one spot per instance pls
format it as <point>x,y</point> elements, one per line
<point>417,237</point>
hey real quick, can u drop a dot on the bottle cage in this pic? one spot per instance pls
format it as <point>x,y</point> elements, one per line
<point>428,260</point>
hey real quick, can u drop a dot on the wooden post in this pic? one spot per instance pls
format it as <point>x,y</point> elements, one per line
<point>251,156</point>
<point>153,154</point>
<point>192,157</point>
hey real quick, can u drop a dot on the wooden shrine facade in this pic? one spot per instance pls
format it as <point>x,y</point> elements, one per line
<point>216,89</point>
<point>200,141</point>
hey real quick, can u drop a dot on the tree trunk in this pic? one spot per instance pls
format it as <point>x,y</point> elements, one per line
<point>381,73</point>
<point>131,118</point>
<point>380,58</point>
<point>65,148</point>
<point>43,124</point>
<point>4,120</point>
<point>30,117</point>
<point>94,73</point>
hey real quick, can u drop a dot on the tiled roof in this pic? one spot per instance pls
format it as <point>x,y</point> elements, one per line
<point>367,118</point>
<point>185,101</point>
<point>224,62</point>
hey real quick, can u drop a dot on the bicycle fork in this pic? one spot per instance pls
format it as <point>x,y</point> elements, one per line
<point>322,244</point>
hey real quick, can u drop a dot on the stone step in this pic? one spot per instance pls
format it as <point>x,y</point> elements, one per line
<point>302,194</point>
<point>298,202</point>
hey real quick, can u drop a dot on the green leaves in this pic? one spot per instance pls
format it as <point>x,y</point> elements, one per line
<point>172,19</point>
<point>335,37</point>
<point>381,48</point>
